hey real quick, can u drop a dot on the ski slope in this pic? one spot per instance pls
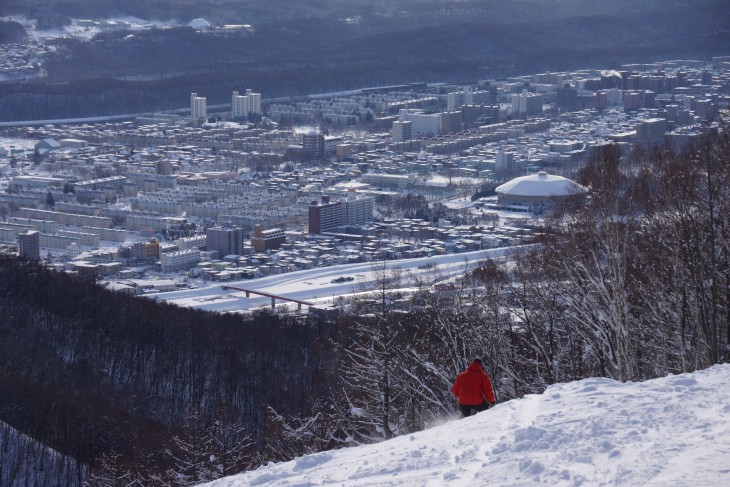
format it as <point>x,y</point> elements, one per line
<point>315,285</point>
<point>673,431</point>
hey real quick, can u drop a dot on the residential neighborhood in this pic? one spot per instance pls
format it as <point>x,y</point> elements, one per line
<point>258,188</point>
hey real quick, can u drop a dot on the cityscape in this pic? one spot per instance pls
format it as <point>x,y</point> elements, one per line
<point>376,243</point>
<point>169,201</point>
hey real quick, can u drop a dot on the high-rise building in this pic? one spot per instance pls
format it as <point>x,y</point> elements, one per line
<point>254,102</point>
<point>243,105</point>
<point>313,143</point>
<point>198,108</point>
<point>451,122</point>
<point>423,123</point>
<point>505,165</point>
<point>224,240</point>
<point>402,131</point>
<point>527,104</point>
<point>358,210</point>
<point>239,105</point>
<point>704,108</point>
<point>479,114</point>
<point>631,100</point>
<point>164,166</point>
<point>454,100</point>
<point>327,216</point>
<point>29,245</point>
<point>651,131</point>
<point>146,250</point>
<point>706,78</point>
<point>565,97</point>
<point>467,96</point>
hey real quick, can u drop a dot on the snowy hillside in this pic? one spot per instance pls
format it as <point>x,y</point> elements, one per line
<point>25,461</point>
<point>673,431</point>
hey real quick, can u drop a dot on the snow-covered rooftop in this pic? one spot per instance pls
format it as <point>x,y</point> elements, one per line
<point>540,184</point>
<point>199,23</point>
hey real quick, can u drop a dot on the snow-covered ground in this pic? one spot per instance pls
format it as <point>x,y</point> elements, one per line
<point>315,285</point>
<point>673,431</point>
<point>85,32</point>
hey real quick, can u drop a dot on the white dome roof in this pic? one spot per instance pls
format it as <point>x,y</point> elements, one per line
<point>199,23</point>
<point>540,184</point>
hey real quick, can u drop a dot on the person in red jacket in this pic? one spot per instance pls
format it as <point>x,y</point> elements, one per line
<point>473,389</point>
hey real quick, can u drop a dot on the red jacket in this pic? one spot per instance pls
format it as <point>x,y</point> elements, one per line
<point>472,386</point>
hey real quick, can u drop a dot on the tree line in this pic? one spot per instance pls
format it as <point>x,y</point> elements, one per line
<point>92,373</point>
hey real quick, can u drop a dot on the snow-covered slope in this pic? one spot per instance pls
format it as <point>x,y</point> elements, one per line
<point>673,431</point>
<point>25,461</point>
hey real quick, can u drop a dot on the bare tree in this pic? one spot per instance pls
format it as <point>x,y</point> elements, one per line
<point>371,373</point>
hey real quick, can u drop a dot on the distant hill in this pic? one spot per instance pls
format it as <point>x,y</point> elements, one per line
<point>303,47</point>
<point>12,33</point>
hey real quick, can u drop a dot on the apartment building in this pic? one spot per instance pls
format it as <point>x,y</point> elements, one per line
<point>422,123</point>
<point>29,245</point>
<point>402,131</point>
<point>224,240</point>
<point>243,105</point>
<point>182,259</point>
<point>198,107</point>
<point>264,240</point>
<point>327,216</point>
<point>527,104</point>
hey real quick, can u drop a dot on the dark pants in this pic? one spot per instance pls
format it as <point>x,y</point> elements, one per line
<point>467,410</point>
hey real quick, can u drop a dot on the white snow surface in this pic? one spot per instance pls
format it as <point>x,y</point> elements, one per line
<point>673,431</point>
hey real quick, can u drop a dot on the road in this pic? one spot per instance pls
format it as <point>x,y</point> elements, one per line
<point>316,284</point>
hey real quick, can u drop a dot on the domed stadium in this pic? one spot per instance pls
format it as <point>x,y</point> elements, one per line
<point>536,193</point>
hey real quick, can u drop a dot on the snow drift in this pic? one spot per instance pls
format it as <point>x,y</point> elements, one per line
<point>669,431</point>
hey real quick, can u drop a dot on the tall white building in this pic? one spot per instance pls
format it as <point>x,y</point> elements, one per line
<point>422,123</point>
<point>467,97</point>
<point>198,107</point>
<point>242,105</point>
<point>358,210</point>
<point>505,164</point>
<point>254,102</point>
<point>526,104</point>
<point>454,100</point>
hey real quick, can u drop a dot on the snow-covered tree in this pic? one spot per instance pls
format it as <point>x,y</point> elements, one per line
<point>371,369</point>
<point>192,454</point>
<point>110,472</point>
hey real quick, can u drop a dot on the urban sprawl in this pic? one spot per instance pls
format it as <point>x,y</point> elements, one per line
<point>253,188</point>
